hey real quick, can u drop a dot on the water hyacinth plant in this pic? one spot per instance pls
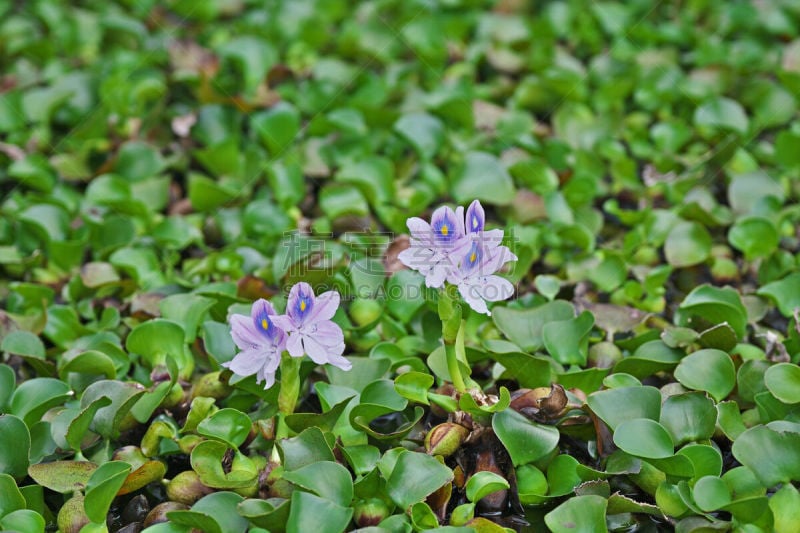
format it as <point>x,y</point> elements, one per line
<point>305,329</point>
<point>460,252</point>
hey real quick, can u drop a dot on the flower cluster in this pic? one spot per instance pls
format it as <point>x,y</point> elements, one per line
<point>305,329</point>
<point>456,248</point>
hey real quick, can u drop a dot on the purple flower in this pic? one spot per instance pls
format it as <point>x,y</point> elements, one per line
<point>310,328</point>
<point>261,343</point>
<point>476,279</point>
<point>475,222</point>
<point>435,247</point>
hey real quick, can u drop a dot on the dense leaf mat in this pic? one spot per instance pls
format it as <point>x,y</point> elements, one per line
<point>165,164</point>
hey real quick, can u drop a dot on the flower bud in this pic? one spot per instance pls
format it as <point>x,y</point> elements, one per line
<point>159,512</point>
<point>445,439</point>
<point>211,386</point>
<point>188,442</point>
<point>187,488</point>
<point>72,517</point>
<point>370,512</point>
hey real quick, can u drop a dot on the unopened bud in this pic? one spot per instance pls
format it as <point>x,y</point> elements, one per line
<point>445,439</point>
<point>72,517</point>
<point>187,488</point>
<point>159,512</point>
<point>211,386</point>
<point>370,512</point>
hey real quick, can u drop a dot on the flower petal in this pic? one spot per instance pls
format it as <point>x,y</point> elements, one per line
<point>340,361</point>
<point>248,362</point>
<point>471,295</point>
<point>316,351</point>
<point>460,221</point>
<point>294,345</point>
<point>244,333</point>
<point>300,303</point>
<point>283,322</point>
<point>325,307</point>
<point>260,313</point>
<point>419,229</point>
<point>495,289</point>
<point>328,333</point>
<point>445,228</point>
<point>476,217</point>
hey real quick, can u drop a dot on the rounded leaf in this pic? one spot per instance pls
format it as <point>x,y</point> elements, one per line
<point>783,381</point>
<point>708,370</point>
<point>643,437</point>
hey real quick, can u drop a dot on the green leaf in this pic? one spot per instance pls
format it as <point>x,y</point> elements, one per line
<point>15,445</point>
<point>689,417</point>
<point>10,497</point>
<point>581,514</point>
<point>312,513</point>
<point>469,181</point>
<point>107,419</point>
<point>773,456</point>
<point>34,397</point>
<point>568,340</point>
<point>784,292</point>
<point>62,476</point>
<point>414,386</point>
<point>711,493</point>
<point>307,448</point>
<point>414,477</point>
<point>156,339</point>
<point>22,520</point>
<point>23,343</point>
<point>615,406</point>
<point>79,426</point>
<point>526,441</point>
<point>278,127</point>
<point>186,310</point>
<point>785,506</point>
<point>214,513</point>
<point>783,381</point>
<point>687,244</point>
<point>721,114</point>
<point>231,426</point>
<point>755,236</point>
<point>422,131</point>
<point>483,483</point>
<point>707,305</point>
<point>326,479</point>
<point>8,383</point>
<point>102,488</point>
<point>524,327</point>
<point>643,437</point>
<point>707,370</point>
<point>207,458</point>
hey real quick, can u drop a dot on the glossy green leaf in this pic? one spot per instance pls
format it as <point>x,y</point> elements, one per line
<point>773,456</point>
<point>689,417</point>
<point>15,444</point>
<point>102,488</point>
<point>228,425</point>
<point>414,386</point>
<point>783,381</point>
<point>326,479</point>
<point>687,244</point>
<point>707,370</point>
<point>711,493</point>
<point>615,406</point>
<point>414,477</point>
<point>755,236</point>
<point>469,181</point>
<point>713,305</point>
<point>785,293</point>
<point>312,513</point>
<point>483,483</point>
<point>524,327</point>
<point>580,514</point>
<point>214,513</point>
<point>34,397</point>
<point>567,340</point>
<point>525,441</point>
<point>306,448</point>
<point>643,437</point>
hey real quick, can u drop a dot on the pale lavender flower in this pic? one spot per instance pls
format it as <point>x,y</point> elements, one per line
<point>475,222</point>
<point>311,331</point>
<point>261,343</point>
<point>436,247</point>
<point>476,279</point>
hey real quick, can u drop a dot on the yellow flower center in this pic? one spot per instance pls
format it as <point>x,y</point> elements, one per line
<point>445,230</point>
<point>302,305</point>
<point>264,323</point>
<point>472,257</point>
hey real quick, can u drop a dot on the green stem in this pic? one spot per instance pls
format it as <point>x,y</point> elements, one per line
<point>287,398</point>
<point>453,367</point>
